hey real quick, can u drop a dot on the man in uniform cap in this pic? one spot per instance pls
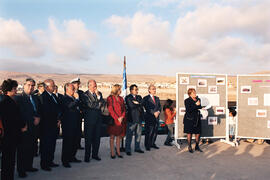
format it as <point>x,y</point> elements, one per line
<point>76,83</point>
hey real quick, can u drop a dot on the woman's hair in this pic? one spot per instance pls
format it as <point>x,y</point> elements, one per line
<point>115,89</point>
<point>168,104</point>
<point>8,85</point>
<point>233,111</point>
<point>190,90</point>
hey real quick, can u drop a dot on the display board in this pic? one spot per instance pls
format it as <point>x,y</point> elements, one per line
<point>212,90</point>
<point>253,94</point>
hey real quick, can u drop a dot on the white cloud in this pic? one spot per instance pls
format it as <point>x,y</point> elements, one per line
<point>15,37</point>
<point>222,32</point>
<point>74,41</point>
<point>69,40</point>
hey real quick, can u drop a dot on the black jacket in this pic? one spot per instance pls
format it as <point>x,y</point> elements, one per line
<point>27,110</point>
<point>92,107</point>
<point>135,111</point>
<point>50,112</point>
<point>12,122</point>
<point>71,115</point>
<point>192,111</point>
<point>150,108</point>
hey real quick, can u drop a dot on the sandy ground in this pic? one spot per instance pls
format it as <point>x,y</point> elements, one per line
<point>218,161</point>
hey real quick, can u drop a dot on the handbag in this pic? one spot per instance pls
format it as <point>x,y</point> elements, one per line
<point>107,118</point>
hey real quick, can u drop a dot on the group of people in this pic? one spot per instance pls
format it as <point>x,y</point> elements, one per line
<point>40,113</point>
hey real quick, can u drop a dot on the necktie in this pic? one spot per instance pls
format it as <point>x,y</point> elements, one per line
<point>154,100</point>
<point>33,103</point>
<point>95,96</point>
<point>54,99</point>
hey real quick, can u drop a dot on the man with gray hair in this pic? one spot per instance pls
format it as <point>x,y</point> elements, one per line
<point>92,103</point>
<point>152,107</point>
<point>30,114</point>
<point>49,122</point>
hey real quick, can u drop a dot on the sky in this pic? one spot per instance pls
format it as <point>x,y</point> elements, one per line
<point>157,37</point>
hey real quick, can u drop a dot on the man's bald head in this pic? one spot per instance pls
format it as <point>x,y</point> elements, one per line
<point>49,85</point>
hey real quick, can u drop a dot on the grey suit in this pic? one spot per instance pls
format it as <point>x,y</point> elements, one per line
<point>92,122</point>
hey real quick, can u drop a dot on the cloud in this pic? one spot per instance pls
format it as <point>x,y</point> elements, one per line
<point>74,41</point>
<point>113,59</point>
<point>146,32</point>
<point>224,32</point>
<point>70,40</point>
<point>14,36</point>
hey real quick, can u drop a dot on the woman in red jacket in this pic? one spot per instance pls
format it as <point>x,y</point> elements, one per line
<point>117,110</point>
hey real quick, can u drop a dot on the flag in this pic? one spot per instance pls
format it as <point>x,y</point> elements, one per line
<point>124,87</point>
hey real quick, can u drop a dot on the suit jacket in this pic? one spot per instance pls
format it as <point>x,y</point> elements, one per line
<point>27,111</point>
<point>92,107</point>
<point>151,107</point>
<point>135,111</point>
<point>10,116</point>
<point>192,111</point>
<point>71,115</point>
<point>50,112</point>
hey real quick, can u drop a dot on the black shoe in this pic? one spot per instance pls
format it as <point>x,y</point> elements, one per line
<point>113,157</point>
<point>148,149</point>
<point>31,170</point>
<point>75,160</point>
<point>87,160</point>
<point>190,149</point>
<point>66,165</point>
<point>197,148</point>
<point>54,164</point>
<point>22,174</point>
<point>155,146</point>
<point>139,151</point>
<point>46,168</point>
<point>119,155</point>
<point>167,144</point>
<point>96,158</point>
<point>128,153</point>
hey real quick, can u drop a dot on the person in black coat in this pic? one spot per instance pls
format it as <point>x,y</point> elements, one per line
<point>192,119</point>
<point>134,119</point>
<point>69,123</point>
<point>152,106</point>
<point>49,123</point>
<point>76,83</point>
<point>92,104</point>
<point>13,127</point>
<point>30,114</point>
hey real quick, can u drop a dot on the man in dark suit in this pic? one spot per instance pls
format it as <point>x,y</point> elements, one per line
<point>92,102</point>
<point>152,107</point>
<point>49,122</point>
<point>30,114</point>
<point>76,83</point>
<point>135,118</point>
<point>70,126</point>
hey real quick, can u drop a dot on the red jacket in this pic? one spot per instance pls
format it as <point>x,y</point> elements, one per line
<point>116,107</point>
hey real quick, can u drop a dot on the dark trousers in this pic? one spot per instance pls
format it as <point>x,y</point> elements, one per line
<point>69,145</point>
<point>8,159</point>
<point>151,131</point>
<point>25,152</point>
<point>47,147</point>
<point>92,138</point>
